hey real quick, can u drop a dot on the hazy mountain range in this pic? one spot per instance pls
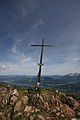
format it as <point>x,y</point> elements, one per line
<point>69,82</point>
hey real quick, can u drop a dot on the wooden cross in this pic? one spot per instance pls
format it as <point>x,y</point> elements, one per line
<point>41,63</point>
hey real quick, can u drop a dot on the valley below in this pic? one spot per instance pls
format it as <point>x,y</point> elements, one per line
<point>66,83</point>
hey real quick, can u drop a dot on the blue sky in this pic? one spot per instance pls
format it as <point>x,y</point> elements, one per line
<point>25,22</point>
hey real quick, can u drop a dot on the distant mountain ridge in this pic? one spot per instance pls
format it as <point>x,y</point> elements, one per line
<point>64,83</point>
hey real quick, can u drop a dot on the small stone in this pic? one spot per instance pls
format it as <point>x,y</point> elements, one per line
<point>74,119</point>
<point>31,117</point>
<point>15,92</point>
<point>62,115</point>
<point>41,98</point>
<point>28,109</point>
<point>37,110</point>
<point>54,110</point>
<point>17,106</point>
<point>58,113</point>
<point>25,100</point>
<point>13,99</point>
<point>41,117</point>
<point>1,113</point>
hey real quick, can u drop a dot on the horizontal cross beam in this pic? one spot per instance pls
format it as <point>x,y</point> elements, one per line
<point>43,45</point>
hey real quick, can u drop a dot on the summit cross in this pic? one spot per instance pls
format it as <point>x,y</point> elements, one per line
<point>41,61</point>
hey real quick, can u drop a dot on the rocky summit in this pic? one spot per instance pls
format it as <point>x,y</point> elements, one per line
<point>26,104</point>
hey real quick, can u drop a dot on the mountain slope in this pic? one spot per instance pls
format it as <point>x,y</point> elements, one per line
<point>22,104</point>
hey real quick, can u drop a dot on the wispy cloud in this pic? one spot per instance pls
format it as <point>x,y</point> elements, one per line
<point>27,68</point>
<point>26,59</point>
<point>16,49</point>
<point>60,69</point>
<point>38,23</point>
<point>76,59</point>
<point>41,22</point>
<point>2,67</point>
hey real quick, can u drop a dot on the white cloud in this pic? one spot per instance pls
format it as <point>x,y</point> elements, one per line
<point>24,12</point>
<point>35,25</point>
<point>60,69</point>
<point>27,68</point>
<point>46,59</point>
<point>16,49</point>
<point>39,23</point>
<point>35,53</point>
<point>76,59</point>
<point>2,67</point>
<point>26,59</point>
